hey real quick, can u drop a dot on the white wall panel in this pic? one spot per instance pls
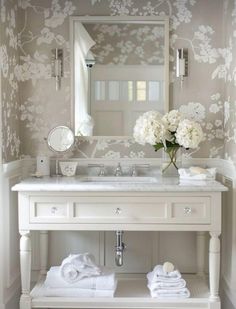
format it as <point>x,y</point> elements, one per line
<point>11,276</point>
<point>180,249</point>
<point>61,244</point>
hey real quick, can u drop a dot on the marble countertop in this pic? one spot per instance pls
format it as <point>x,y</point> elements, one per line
<point>161,184</point>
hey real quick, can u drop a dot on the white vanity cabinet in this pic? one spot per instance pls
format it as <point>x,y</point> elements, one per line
<point>68,204</point>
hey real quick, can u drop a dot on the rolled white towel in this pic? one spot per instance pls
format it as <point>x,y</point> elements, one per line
<point>159,273</point>
<point>105,281</point>
<point>170,293</point>
<point>73,292</point>
<point>78,266</point>
<point>160,284</point>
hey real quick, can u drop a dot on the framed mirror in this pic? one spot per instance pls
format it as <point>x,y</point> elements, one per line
<point>120,69</point>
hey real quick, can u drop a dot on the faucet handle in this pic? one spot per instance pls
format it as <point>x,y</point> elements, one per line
<point>134,168</point>
<point>118,170</point>
<point>102,171</point>
<point>133,171</point>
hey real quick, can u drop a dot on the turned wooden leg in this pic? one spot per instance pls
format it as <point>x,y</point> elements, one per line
<point>25,267</point>
<point>214,265</point>
<point>43,252</point>
<point>200,253</point>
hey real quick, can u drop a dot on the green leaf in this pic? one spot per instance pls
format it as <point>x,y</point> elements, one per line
<point>169,144</point>
<point>158,146</point>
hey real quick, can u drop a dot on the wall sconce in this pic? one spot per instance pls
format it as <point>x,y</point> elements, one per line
<point>57,66</point>
<point>182,64</point>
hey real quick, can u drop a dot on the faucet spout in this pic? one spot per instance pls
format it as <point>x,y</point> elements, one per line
<point>120,247</point>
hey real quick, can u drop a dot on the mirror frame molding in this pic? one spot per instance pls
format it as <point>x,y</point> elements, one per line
<point>120,20</point>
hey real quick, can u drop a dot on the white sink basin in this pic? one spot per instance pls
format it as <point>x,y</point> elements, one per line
<point>130,179</point>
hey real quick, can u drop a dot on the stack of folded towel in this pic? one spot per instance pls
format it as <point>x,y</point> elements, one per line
<point>197,173</point>
<point>167,284</point>
<point>79,276</point>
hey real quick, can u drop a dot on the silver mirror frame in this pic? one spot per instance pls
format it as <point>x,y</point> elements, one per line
<point>118,19</point>
<point>50,144</point>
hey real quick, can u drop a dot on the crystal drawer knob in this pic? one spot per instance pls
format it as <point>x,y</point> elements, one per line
<point>187,210</point>
<point>53,210</point>
<point>118,211</point>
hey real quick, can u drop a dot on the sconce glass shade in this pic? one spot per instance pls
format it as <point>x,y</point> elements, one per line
<point>57,66</point>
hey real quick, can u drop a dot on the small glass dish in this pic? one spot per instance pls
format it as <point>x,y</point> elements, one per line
<point>68,168</point>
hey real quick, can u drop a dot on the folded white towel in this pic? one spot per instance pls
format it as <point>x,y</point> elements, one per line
<point>160,284</point>
<point>78,266</point>
<point>192,174</point>
<point>105,281</point>
<point>159,274</point>
<point>173,293</point>
<point>45,291</point>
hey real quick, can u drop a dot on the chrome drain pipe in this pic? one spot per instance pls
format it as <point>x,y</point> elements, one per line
<point>120,247</point>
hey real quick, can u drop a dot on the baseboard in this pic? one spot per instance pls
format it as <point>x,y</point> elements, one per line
<point>13,302</point>
<point>229,293</point>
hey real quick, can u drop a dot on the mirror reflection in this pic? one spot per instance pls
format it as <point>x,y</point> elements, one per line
<point>119,73</point>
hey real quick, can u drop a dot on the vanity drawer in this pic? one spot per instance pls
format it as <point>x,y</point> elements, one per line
<point>195,210</point>
<point>44,210</point>
<point>120,210</point>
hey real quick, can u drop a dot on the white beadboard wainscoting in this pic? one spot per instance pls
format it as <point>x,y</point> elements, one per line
<point>143,248</point>
<point>1,241</point>
<point>11,174</point>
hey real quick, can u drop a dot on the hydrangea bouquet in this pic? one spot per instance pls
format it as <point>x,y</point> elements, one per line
<point>170,132</point>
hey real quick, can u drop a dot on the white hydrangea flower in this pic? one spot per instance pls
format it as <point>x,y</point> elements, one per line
<point>189,134</point>
<point>172,120</point>
<point>150,129</point>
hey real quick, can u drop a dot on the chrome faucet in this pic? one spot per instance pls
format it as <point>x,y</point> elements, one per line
<point>120,247</point>
<point>118,170</point>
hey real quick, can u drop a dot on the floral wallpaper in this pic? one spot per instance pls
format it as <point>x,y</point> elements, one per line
<point>195,24</point>
<point>9,90</point>
<point>127,43</point>
<point>229,77</point>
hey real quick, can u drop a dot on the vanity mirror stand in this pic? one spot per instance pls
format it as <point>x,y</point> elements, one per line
<point>60,140</point>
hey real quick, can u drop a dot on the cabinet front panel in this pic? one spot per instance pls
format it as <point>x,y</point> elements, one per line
<point>43,210</point>
<point>109,212</point>
<point>193,211</point>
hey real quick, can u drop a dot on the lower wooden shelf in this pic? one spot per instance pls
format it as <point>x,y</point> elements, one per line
<point>130,293</point>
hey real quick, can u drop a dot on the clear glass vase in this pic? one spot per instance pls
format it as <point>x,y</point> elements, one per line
<point>171,161</point>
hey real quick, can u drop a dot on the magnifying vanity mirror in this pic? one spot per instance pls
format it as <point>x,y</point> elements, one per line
<point>60,139</point>
<point>120,69</point>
